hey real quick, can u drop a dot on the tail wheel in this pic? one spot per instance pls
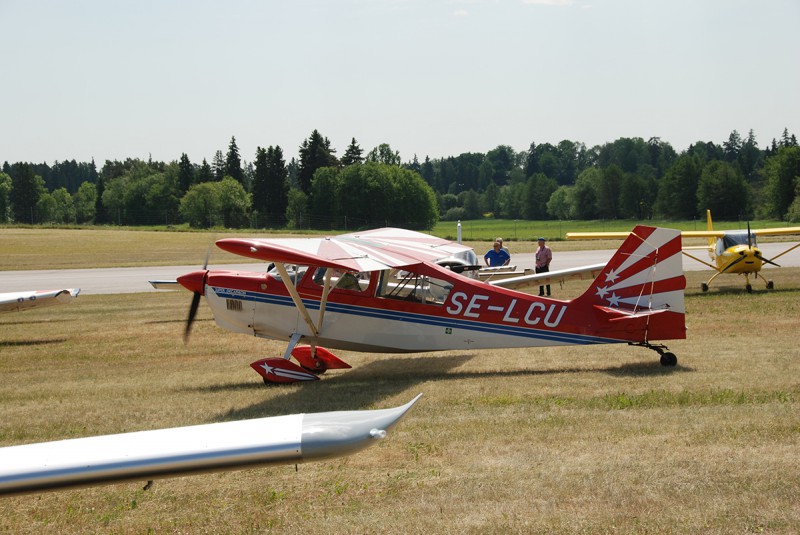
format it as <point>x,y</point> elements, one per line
<point>669,359</point>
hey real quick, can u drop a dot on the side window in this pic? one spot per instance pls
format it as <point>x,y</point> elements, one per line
<point>341,280</point>
<point>295,272</point>
<point>412,287</point>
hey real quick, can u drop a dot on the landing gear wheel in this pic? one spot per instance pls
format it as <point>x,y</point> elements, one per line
<point>749,288</point>
<point>704,286</point>
<point>321,367</point>
<point>770,285</point>
<point>669,359</point>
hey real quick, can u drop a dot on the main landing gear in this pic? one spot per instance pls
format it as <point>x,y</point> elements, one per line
<point>747,287</point>
<point>667,357</point>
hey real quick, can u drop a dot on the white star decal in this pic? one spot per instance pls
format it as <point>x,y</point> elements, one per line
<point>267,368</point>
<point>612,276</point>
<point>613,300</point>
<point>601,292</point>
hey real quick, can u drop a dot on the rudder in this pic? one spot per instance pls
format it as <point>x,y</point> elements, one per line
<point>644,275</point>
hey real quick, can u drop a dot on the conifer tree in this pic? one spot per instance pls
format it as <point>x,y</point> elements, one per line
<point>26,190</point>
<point>353,154</point>
<point>260,186</point>
<point>315,152</point>
<point>185,174</point>
<point>277,187</point>
<point>205,173</point>
<point>218,166</point>
<point>233,163</point>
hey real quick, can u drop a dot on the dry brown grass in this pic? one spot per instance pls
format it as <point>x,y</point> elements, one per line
<point>564,440</point>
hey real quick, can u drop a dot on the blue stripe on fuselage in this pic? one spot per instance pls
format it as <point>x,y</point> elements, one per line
<point>422,319</point>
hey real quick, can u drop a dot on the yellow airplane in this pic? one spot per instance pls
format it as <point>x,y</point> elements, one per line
<point>731,251</point>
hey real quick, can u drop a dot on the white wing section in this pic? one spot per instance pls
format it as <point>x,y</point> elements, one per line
<point>551,277</point>
<point>365,251</point>
<point>16,301</point>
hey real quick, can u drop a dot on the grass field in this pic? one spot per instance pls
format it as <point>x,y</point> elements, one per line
<point>561,440</point>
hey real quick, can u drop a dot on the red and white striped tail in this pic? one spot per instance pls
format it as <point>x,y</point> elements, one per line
<point>645,274</point>
<point>639,293</point>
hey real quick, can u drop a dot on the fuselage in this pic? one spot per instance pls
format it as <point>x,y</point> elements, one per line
<point>737,252</point>
<point>396,311</point>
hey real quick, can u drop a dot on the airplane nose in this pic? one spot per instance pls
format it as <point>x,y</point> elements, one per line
<point>194,281</point>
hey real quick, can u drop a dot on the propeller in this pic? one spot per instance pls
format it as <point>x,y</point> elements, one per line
<point>757,252</point>
<point>767,261</point>
<point>196,295</point>
<point>726,268</point>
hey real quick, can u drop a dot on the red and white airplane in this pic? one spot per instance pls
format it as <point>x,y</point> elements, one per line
<point>392,290</point>
<point>17,301</point>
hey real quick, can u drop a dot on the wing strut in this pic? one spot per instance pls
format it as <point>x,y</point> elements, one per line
<point>324,300</point>
<point>298,302</point>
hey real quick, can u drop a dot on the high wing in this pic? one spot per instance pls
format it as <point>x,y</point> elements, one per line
<point>288,439</point>
<point>16,301</point>
<point>371,250</point>
<point>780,231</point>
<point>551,277</point>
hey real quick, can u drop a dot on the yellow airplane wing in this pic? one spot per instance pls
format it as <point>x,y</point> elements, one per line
<point>623,235</point>
<point>597,235</point>
<point>779,231</point>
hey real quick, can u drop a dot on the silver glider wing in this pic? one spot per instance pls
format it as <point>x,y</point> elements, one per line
<point>144,455</point>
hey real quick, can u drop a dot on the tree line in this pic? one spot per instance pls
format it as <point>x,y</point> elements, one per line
<point>627,178</point>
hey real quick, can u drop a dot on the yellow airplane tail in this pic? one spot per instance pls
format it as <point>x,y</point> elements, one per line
<point>710,228</point>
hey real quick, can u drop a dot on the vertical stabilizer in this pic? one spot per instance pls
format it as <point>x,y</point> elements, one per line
<point>644,275</point>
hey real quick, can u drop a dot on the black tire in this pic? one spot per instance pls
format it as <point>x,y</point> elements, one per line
<point>770,285</point>
<point>704,286</point>
<point>669,359</point>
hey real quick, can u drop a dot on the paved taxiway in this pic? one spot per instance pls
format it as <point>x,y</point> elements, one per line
<point>133,280</point>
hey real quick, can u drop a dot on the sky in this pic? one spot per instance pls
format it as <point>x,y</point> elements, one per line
<point>105,80</point>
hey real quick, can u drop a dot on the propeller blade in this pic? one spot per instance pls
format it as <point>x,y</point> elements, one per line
<point>208,255</point>
<point>749,236</point>
<point>768,261</point>
<point>195,302</point>
<point>726,268</point>
<point>192,313</point>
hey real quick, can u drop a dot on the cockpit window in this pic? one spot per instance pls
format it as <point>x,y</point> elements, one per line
<point>731,239</point>
<point>342,280</point>
<point>295,272</point>
<point>413,287</point>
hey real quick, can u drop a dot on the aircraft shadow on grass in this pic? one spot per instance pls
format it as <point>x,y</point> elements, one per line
<point>367,385</point>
